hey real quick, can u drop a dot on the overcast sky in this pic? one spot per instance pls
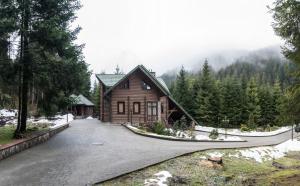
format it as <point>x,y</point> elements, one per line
<point>165,34</point>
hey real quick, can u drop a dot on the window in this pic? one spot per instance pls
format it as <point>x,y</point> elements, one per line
<point>145,86</point>
<point>162,108</point>
<point>121,107</point>
<point>136,108</point>
<point>125,85</point>
<point>152,108</point>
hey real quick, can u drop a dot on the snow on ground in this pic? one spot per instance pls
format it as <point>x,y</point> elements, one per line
<point>239,132</point>
<point>160,180</point>
<point>220,138</point>
<point>215,154</point>
<point>261,154</point>
<point>58,121</point>
<point>62,120</point>
<point>90,117</point>
<point>8,113</point>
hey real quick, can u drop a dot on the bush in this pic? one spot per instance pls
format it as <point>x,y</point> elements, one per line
<point>159,128</point>
<point>181,124</point>
<point>297,128</point>
<point>244,128</point>
<point>214,134</point>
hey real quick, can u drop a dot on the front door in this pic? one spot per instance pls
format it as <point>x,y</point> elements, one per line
<point>152,111</point>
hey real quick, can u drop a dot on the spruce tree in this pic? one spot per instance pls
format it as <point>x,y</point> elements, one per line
<point>182,90</point>
<point>254,109</point>
<point>208,104</point>
<point>47,53</point>
<point>286,25</point>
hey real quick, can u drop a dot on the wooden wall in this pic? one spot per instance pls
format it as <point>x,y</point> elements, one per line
<point>135,93</point>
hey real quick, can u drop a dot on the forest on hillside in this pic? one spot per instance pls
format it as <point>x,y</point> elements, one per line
<point>244,94</point>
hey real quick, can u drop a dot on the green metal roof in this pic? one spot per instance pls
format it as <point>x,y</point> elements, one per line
<point>110,80</point>
<point>81,100</point>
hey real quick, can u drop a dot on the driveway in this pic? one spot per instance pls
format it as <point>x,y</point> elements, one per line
<point>90,151</point>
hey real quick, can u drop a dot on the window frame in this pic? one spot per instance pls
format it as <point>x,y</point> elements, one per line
<point>139,107</point>
<point>125,85</point>
<point>118,107</point>
<point>145,86</point>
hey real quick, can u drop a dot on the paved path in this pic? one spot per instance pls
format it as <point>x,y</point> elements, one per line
<point>89,151</point>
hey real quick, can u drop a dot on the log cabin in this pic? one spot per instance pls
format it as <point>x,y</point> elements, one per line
<point>82,107</point>
<point>137,97</point>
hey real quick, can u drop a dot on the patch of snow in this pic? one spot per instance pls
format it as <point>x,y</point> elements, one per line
<point>239,132</point>
<point>182,134</point>
<point>202,137</point>
<point>261,154</point>
<point>63,119</point>
<point>160,180</point>
<point>8,113</point>
<point>170,130</point>
<point>90,117</point>
<point>215,154</point>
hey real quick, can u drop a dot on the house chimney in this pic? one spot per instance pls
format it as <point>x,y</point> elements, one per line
<point>153,73</point>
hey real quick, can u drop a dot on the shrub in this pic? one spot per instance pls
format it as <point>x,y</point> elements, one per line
<point>159,128</point>
<point>214,134</point>
<point>181,124</point>
<point>244,128</point>
<point>297,128</point>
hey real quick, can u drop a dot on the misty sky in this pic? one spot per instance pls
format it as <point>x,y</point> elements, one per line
<point>165,34</point>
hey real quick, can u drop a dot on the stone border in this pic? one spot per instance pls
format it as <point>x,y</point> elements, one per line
<point>27,143</point>
<point>178,139</point>
<point>239,135</point>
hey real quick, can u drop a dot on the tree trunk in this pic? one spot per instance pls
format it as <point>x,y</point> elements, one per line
<point>26,71</point>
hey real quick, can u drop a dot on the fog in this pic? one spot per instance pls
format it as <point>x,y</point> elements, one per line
<point>165,34</point>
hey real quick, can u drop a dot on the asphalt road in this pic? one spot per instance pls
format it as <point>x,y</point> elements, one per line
<point>90,151</point>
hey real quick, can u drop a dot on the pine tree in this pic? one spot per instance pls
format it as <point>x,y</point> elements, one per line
<point>46,53</point>
<point>208,104</point>
<point>286,25</point>
<point>253,103</point>
<point>232,101</point>
<point>278,102</point>
<point>267,106</point>
<point>182,91</point>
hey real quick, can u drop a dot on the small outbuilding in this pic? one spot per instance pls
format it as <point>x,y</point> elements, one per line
<point>82,107</point>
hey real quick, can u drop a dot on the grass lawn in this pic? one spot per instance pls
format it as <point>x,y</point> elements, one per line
<point>7,132</point>
<point>235,171</point>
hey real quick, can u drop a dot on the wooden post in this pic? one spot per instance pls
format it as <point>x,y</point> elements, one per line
<point>145,110</point>
<point>128,109</point>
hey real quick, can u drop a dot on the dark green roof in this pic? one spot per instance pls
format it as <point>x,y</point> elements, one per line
<point>110,80</point>
<point>81,100</point>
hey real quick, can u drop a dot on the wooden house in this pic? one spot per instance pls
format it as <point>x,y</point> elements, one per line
<point>82,107</point>
<point>137,97</point>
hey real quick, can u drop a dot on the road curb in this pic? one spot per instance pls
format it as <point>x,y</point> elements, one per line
<point>179,139</point>
<point>247,135</point>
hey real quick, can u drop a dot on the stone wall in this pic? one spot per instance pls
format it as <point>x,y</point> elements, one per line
<point>27,143</point>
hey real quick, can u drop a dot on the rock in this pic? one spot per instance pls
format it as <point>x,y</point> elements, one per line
<point>210,164</point>
<point>217,160</point>
<point>278,165</point>
<point>175,180</point>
